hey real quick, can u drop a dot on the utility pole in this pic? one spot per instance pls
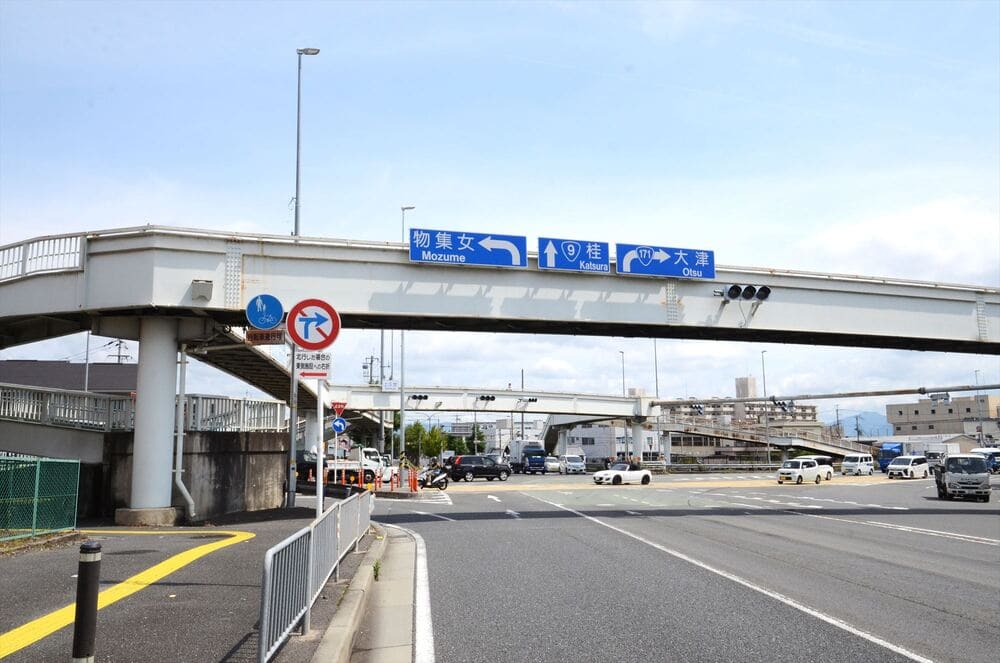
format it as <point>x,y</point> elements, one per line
<point>121,351</point>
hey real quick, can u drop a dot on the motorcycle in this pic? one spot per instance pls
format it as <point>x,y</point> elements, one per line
<point>433,477</point>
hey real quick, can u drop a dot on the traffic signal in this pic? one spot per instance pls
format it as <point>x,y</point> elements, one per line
<point>746,292</point>
<point>531,399</point>
<point>419,397</point>
<point>487,397</point>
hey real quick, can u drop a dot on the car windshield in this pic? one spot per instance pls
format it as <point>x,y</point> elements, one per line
<point>573,459</point>
<point>791,464</point>
<point>900,461</point>
<point>620,467</point>
<point>966,465</point>
<point>551,459</point>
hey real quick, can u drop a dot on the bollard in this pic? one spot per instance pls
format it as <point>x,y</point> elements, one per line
<point>87,586</point>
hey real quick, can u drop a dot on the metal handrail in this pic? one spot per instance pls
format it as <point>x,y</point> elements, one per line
<point>296,570</point>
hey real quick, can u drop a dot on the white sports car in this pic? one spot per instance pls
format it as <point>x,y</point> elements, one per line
<point>623,473</point>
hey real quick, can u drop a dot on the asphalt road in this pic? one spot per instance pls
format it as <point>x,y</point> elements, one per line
<point>857,569</point>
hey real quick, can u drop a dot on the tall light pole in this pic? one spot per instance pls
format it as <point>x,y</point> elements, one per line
<point>293,397</point>
<point>767,432</point>
<point>402,362</point>
<point>979,409</point>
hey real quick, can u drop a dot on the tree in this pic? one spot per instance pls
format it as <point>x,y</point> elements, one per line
<point>478,436</point>
<point>434,442</point>
<point>415,434</point>
<point>456,443</point>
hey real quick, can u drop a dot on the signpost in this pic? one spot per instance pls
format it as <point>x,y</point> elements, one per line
<point>646,260</point>
<point>452,247</point>
<point>313,325</point>
<point>338,407</point>
<point>573,255</point>
<point>339,425</point>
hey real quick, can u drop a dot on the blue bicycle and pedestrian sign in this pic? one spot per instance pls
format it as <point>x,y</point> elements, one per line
<point>265,312</point>
<point>451,247</point>
<point>646,260</point>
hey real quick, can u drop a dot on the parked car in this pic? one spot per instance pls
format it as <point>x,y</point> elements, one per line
<point>620,473</point>
<point>825,465</point>
<point>858,464</point>
<point>572,464</point>
<point>472,467</point>
<point>908,467</point>
<point>799,470</point>
<point>551,464</point>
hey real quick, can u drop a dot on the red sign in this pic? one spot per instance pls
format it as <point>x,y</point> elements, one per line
<point>313,324</point>
<point>338,407</point>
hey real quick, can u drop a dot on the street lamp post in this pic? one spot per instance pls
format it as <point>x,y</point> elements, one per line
<point>767,432</point>
<point>402,362</point>
<point>622,353</point>
<point>293,397</point>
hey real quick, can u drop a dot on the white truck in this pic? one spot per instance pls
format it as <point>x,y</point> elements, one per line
<point>963,475</point>
<point>359,460</point>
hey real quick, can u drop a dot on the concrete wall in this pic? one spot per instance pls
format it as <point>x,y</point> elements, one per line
<point>51,441</point>
<point>225,472</point>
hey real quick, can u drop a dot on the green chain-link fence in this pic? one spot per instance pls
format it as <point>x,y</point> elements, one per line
<point>37,496</point>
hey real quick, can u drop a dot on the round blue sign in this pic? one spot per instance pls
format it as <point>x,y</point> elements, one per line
<point>339,425</point>
<point>265,312</point>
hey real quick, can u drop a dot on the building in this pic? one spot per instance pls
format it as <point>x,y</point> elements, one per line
<point>976,415</point>
<point>101,377</point>
<point>746,387</point>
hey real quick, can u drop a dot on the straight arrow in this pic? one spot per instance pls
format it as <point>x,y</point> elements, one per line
<point>550,255</point>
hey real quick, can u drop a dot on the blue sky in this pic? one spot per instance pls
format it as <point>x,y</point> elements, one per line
<point>836,137</point>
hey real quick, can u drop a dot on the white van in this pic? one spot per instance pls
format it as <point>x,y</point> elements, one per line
<point>858,464</point>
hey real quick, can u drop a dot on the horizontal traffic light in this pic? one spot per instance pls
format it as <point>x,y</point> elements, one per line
<point>487,397</point>
<point>419,397</point>
<point>747,292</point>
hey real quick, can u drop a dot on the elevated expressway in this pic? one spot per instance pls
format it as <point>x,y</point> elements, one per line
<point>170,286</point>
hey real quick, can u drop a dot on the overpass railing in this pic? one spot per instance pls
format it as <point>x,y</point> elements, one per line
<point>43,255</point>
<point>296,569</point>
<point>101,412</point>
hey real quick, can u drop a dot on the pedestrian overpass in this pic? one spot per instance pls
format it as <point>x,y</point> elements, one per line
<point>167,287</point>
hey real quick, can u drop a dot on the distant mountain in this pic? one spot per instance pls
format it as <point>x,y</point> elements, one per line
<point>870,423</point>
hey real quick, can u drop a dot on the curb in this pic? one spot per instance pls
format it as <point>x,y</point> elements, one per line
<point>337,642</point>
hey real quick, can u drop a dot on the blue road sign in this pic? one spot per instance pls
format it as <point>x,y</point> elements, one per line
<point>645,260</point>
<point>465,248</point>
<point>573,255</point>
<point>265,312</point>
<point>339,425</point>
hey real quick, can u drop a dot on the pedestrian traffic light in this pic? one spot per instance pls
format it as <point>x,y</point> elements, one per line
<point>746,292</point>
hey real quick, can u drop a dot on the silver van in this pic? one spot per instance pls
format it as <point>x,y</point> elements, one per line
<point>858,464</point>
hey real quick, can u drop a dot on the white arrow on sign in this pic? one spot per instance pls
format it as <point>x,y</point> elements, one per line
<point>659,255</point>
<point>550,254</point>
<point>489,244</point>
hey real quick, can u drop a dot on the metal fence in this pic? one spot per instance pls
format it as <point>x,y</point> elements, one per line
<point>100,412</point>
<point>296,569</point>
<point>37,496</point>
<point>48,254</point>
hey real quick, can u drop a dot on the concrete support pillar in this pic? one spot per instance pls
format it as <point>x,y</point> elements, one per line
<point>152,447</point>
<point>562,441</point>
<point>638,440</point>
<point>309,436</point>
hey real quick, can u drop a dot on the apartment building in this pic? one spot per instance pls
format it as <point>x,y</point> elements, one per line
<point>976,415</point>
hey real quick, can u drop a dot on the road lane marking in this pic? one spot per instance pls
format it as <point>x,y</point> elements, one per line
<point>493,497</point>
<point>604,505</point>
<point>44,626</point>
<point>423,629</point>
<point>968,538</point>
<point>631,513</point>
<point>829,619</point>
<point>435,515</point>
<point>514,514</point>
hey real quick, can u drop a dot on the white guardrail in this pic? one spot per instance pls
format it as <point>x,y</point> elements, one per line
<point>296,569</point>
<point>39,256</point>
<point>101,412</point>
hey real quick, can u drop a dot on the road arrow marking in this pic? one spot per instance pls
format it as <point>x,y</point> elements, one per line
<point>513,514</point>
<point>550,255</point>
<point>493,497</point>
<point>489,244</point>
<point>633,513</point>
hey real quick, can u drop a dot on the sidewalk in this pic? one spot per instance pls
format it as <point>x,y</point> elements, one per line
<point>374,621</point>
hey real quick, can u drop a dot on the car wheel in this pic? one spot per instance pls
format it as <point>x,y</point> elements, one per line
<point>469,476</point>
<point>818,479</point>
<point>925,474</point>
<point>911,474</point>
<point>369,476</point>
<point>829,475</point>
<point>503,476</point>
<point>780,482</point>
<point>798,479</point>
<point>617,481</point>
<point>871,472</point>
<point>645,480</point>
